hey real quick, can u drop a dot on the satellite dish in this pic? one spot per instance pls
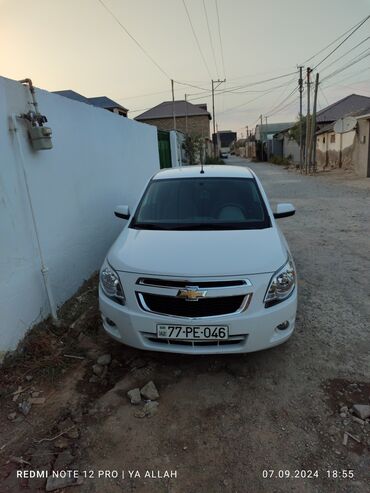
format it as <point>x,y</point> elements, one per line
<point>345,124</point>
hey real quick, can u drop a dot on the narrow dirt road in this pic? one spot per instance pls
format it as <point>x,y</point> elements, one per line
<point>223,423</point>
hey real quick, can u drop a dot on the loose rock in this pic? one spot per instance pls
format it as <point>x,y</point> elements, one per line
<point>150,392</point>
<point>105,359</point>
<point>98,369</point>
<point>61,443</point>
<point>150,408</point>
<point>358,420</point>
<point>24,407</point>
<point>362,410</point>
<point>139,414</point>
<point>134,396</point>
<point>94,379</point>
<point>37,400</point>
<point>12,416</point>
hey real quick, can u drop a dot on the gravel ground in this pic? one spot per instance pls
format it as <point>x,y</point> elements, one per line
<point>223,421</point>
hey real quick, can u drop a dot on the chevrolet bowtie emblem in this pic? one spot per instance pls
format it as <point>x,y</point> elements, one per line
<point>191,293</point>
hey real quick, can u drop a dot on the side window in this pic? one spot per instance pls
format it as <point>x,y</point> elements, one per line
<point>332,138</point>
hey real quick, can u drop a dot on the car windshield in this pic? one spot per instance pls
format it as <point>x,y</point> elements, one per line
<point>201,204</point>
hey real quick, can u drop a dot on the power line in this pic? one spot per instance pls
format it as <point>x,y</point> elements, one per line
<point>336,72</point>
<point>278,107</point>
<point>284,107</point>
<point>340,44</point>
<point>197,40</point>
<point>323,94</point>
<point>330,44</point>
<point>192,85</point>
<point>349,51</point>
<point>219,35</point>
<point>134,39</point>
<point>210,38</point>
<point>268,91</point>
<point>349,77</point>
<point>251,84</point>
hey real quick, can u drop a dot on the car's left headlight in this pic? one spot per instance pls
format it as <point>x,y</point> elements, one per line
<point>281,285</point>
<point>111,284</point>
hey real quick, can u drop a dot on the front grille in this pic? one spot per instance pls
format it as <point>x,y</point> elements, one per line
<point>151,281</point>
<point>204,307</point>
<point>232,341</point>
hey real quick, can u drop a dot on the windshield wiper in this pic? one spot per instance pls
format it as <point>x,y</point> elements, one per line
<point>149,226</point>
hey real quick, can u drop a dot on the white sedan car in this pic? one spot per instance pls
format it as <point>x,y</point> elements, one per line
<point>201,266</point>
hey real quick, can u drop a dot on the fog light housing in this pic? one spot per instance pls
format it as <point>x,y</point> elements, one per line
<point>110,322</point>
<point>283,326</point>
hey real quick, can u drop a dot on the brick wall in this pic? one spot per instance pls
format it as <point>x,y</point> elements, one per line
<point>197,125</point>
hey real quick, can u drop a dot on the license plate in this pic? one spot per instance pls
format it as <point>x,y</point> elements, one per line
<point>193,332</point>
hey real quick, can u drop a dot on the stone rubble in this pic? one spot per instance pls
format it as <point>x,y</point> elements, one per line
<point>134,396</point>
<point>362,410</point>
<point>150,392</point>
<point>105,359</point>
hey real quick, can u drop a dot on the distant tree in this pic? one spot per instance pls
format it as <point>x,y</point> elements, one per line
<point>193,147</point>
<point>294,132</point>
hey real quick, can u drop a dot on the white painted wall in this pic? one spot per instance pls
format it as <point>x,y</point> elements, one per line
<point>99,160</point>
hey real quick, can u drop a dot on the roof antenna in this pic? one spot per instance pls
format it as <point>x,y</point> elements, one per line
<point>201,168</point>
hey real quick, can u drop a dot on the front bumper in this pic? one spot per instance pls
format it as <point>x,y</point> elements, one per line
<point>251,330</point>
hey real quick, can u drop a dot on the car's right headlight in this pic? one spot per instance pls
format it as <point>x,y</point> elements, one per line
<point>281,285</point>
<point>111,284</point>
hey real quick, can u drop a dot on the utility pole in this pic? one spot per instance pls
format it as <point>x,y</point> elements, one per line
<point>267,143</point>
<point>300,83</point>
<point>215,143</point>
<point>313,128</point>
<point>173,104</point>
<point>308,121</point>
<point>261,138</point>
<point>186,115</point>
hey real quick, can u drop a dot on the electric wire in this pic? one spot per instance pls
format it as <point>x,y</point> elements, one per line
<point>347,52</point>
<point>345,67</point>
<point>196,39</point>
<point>134,39</point>
<point>331,44</point>
<point>340,44</point>
<point>220,38</point>
<point>210,38</point>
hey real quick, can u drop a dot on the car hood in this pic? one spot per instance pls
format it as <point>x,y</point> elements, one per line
<point>198,253</point>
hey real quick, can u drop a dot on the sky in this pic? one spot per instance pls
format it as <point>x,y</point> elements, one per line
<point>79,45</point>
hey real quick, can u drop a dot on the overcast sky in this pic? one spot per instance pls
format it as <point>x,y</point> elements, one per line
<point>77,44</point>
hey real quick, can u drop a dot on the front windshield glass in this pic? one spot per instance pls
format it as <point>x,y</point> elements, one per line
<point>202,203</point>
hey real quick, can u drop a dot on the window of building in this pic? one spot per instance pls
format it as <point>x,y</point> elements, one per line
<point>323,140</point>
<point>332,138</point>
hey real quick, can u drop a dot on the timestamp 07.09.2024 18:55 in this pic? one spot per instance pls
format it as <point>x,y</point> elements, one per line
<point>308,473</point>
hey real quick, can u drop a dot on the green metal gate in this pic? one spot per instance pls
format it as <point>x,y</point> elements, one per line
<point>164,149</point>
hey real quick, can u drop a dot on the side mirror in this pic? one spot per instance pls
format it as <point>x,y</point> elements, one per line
<point>122,211</point>
<point>284,210</point>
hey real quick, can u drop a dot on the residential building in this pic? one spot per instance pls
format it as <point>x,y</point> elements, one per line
<point>344,150</point>
<point>264,137</point>
<point>191,119</point>
<point>100,101</point>
<point>285,146</point>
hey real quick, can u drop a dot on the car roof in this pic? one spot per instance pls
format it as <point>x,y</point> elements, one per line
<point>210,171</point>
